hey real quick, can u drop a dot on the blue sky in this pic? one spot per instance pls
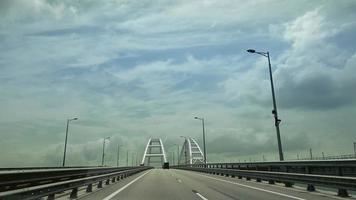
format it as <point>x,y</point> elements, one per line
<point>136,69</point>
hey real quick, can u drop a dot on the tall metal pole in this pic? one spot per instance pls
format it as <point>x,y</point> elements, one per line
<point>127,158</point>
<point>118,155</point>
<point>172,157</point>
<point>277,121</point>
<point>65,141</point>
<point>185,150</point>
<point>274,111</point>
<point>203,123</point>
<point>355,148</point>
<point>185,154</point>
<point>178,155</point>
<point>132,159</point>
<point>103,157</point>
<point>65,145</point>
<point>204,140</point>
<point>311,153</point>
<point>185,144</point>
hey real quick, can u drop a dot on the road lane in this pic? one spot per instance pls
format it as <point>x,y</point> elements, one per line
<point>186,185</point>
<point>214,189</point>
<point>124,187</point>
<point>234,188</point>
<point>158,184</point>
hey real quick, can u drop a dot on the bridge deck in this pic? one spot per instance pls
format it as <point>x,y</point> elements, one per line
<point>171,184</point>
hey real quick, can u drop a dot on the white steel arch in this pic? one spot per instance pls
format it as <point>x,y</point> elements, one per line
<point>191,152</point>
<point>154,150</point>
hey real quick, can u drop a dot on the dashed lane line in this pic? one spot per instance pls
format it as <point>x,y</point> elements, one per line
<point>255,188</point>
<point>199,195</point>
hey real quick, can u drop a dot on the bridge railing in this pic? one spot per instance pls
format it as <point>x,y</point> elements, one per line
<point>340,174</point>
<point>322,167</point>
<point>37,183</point>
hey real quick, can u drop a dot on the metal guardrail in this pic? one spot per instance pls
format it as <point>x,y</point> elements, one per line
<point>34,184</point>
<point>16,179</point>
<point>34,168</point>
<point>321,167</point>
<point>330,174</point>
<point>348,156</point>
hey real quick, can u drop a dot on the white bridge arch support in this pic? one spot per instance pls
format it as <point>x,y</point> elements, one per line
<point>191,152</point>
<point>154,154</point>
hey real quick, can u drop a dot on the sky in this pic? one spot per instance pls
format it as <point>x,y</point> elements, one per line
<point>141,69</point>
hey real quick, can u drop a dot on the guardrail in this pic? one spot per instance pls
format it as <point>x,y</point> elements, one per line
<point>33,168</point>
<point>34,184</point>
<point>348,156</point>
<point>332,174</point>
<point>321,167</point>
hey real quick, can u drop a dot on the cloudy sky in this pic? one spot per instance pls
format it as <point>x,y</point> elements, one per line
<point>140,68</point>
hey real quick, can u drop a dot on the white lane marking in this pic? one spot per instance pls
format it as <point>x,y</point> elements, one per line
<point>125,186</point>
<point>199,195</point>
<point>179,181</point>
<point>255,188</point>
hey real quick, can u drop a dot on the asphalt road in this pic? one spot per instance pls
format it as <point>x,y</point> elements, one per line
<point>173,184</point>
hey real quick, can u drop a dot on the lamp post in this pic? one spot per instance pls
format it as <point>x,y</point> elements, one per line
<point>277,121</point>
<point>172,157</point>
<point>65,141</point>
<point>202,120</point>
<point>177,154</point>
<point>185,149</point>
<point>133,158</point>
<point>103,157</point>
<point>118,155</point>
<point>127,158</point>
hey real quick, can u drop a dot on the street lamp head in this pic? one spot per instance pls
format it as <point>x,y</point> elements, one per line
<point>196,118</point>
<point>107,138</point>
<point>75,118</point>
<point>251,50</point>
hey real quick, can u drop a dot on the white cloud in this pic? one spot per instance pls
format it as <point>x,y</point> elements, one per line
<point>134,69</point>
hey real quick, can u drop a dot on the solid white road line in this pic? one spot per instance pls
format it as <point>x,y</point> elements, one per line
<point>201,196</point>
<point>124,187</point>
<point>255,188</point>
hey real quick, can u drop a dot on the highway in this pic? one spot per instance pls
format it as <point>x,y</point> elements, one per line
<point>173,184</point>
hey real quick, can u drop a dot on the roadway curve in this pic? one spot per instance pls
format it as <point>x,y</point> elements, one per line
<point>173,184</point>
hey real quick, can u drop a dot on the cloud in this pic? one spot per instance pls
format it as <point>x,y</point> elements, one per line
<point>310,74</point>
<point>137,69</point>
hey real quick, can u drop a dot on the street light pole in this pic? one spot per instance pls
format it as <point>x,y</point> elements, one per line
<point>177,154</point>
<point>132,158</point>
<point>127,158</point>
<point>202,120</point>
<point>277,121</point>
<point>185,149</point>
<point>118,155</point>
<point>172,157</point>
<point>65,141</point>
<point>103,157</point>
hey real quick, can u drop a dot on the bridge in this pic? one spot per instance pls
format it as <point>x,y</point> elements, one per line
<point>192,179</point>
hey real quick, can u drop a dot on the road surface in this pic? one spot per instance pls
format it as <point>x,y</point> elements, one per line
<point>173,184</point>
